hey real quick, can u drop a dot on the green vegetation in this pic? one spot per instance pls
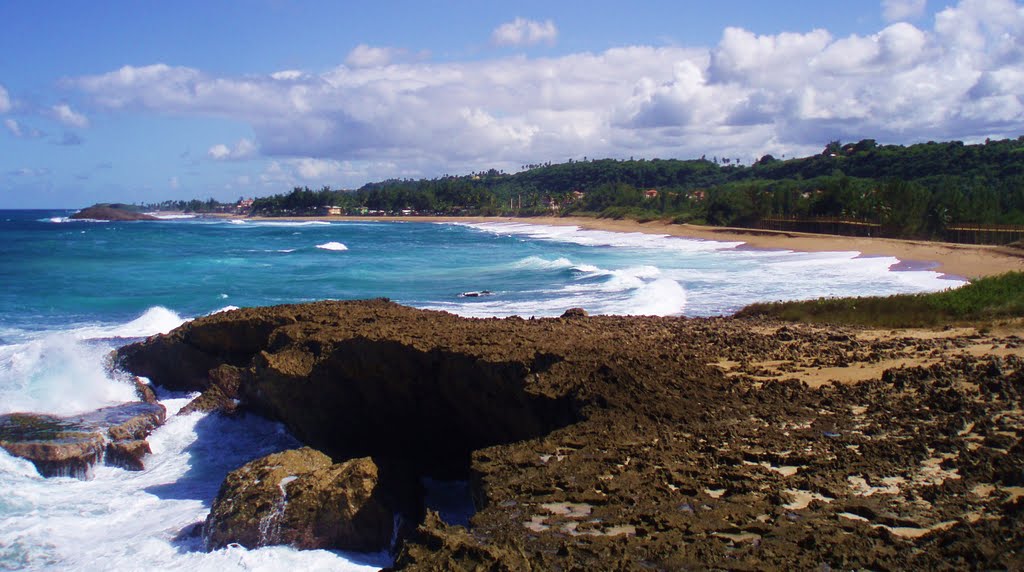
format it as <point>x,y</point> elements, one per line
<point>984,300</point>
<point>918,191</point>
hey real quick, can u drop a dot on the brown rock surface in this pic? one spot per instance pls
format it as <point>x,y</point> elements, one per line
<point>71,446</point>
<point>300,498</point>
<point>649,443</point>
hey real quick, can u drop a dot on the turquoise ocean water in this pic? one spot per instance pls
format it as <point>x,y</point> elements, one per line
<point>72,291</point>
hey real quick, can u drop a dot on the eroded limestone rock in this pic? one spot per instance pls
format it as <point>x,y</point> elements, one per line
<point>302,499</point>
<point>71,446</point>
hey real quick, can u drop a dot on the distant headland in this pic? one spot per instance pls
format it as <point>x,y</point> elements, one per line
<point>113,211</point>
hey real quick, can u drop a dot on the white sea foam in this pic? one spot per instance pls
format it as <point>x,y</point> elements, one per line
<point>165,216</point>
<point>278,224</point>
<point>58,374</point>
<point>586,237</point>
<point>335,246</point>
<point>662,297</point>
<point>63,372</point>
<point>539,263</point>
<point>69,524</point>
<point>224,309</point>
<point>156,320</point>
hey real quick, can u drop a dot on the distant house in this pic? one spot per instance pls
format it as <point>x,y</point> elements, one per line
<point>243,206</point>
<point>650,194</point>
<point>359,211</point>
<point>577,195</point>
<point>698,195</point>
<point>553,205</point>
<point>331,210</point>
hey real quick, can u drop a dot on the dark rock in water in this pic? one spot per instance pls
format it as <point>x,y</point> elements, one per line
<point>221,395</point>
<point>144,391</point>
<point>605,442</point>
<point>111,212</point>
<point>475,294</point>
<point>57,448</point>
<point>127,454</point>
<point>71,446</point>
<point>302,499</point>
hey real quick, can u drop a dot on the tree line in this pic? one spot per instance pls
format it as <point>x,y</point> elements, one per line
<point>912,191</point>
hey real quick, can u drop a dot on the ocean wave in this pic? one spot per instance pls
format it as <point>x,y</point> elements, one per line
<point>278,224</point>
<point>538,263</point>
<point>587,237</point>
<point>155,320</point>
<point>59,374</point>
<point>335,246</point>
<point>163,216</point>
<point>662,297</point>
<point>64,219</point>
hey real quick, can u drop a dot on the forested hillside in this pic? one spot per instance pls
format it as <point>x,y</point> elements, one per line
<point>913,191</point>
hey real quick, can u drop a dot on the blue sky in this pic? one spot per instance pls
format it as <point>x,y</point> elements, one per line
<point>144,101</point>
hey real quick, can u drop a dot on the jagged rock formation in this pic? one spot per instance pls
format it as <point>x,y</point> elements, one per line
<point>641,443</point>
<point>302,499</point>
<point>71,446</point>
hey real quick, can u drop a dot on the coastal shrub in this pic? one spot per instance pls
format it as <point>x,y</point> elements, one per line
<point>994,297</point>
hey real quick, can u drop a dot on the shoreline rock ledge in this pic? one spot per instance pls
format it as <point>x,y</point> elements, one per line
<point>71,446</point>
<point>603,442</point>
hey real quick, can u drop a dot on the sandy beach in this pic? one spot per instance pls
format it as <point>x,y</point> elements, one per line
<point>956,260</point>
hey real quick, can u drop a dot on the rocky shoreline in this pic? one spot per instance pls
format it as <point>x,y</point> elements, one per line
<point>613,442</point>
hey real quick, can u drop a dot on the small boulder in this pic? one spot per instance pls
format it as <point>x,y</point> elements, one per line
<point>575,313</point>
<point>302,499</point>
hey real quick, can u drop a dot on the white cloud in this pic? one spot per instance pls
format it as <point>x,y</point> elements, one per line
<point>13,127</point>
<point>173,183</point>
<point>244,149</point>
<point>21,130</point>
<point>316,169</point>
<point>5,100</point>
<point>363,56</point>
<point>748,95</point>
<point>898,10</point>
<point>523,32</point>
<point>63,113</point>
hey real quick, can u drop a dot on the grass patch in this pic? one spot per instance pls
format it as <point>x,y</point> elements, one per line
<point>986,299</point>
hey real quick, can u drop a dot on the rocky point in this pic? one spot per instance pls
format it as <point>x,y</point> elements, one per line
<point>601,442</point>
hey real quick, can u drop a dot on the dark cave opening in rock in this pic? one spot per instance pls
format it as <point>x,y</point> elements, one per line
<point>419,414</point>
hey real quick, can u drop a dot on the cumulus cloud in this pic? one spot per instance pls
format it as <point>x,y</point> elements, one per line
<point>244,149</point>
<point>897,10</point>
<point>523,32</point>
<point>746,96</point>
<point>5,100</point>
<point>63,113</point>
